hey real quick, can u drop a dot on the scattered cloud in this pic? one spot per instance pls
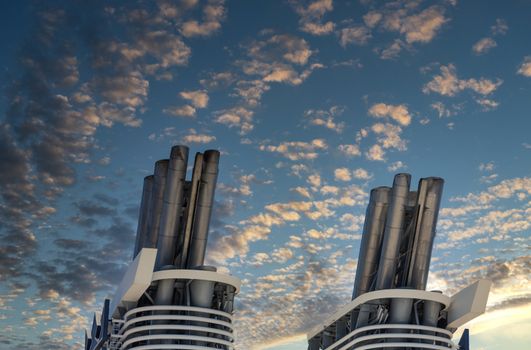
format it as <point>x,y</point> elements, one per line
<point>182,111</point>
<point>297,150</point>
<point>349,150</point>
<point>326,118</point>
<point>194,137</point>
<point>358,35</point>
<point>198,98</point>
<point>214,13</point>
<point>398,113</point>
<point>448,84</point>
<point>311,16</point>
<point>484,45</point>
<point>525,67</point>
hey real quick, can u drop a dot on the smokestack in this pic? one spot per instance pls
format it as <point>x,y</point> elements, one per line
<point>172,206</point>
<point>184,239</point>
<point>156,203</point>
<point>371,240</point>
<point>431,188</point>
<point>141,230</point>
<point>394,227</point>
<point>203,211</point>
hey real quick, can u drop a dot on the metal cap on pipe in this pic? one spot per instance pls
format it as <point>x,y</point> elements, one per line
<point>371,240</point>
<point>157,198</point>
<point>172,206</point>
<point>203,212</point>
<point>394,227</point>
<point>141,230</point>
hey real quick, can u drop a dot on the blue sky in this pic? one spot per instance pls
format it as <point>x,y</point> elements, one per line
<point>312,103</point>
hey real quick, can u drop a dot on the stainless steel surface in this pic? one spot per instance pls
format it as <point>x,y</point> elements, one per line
<point>371,240</point>
<point>421,255</point>
<point>155,207</point>
<point>172,206</point>
<point>201,292</point>
<point>141,230</point>
<point>165,292</point>
<point>341,328</point>
<point>203,211</point>
<point>184,242</point>
<point>393,232</point>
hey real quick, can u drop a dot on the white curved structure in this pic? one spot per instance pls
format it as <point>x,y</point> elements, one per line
<point>169,298</point>
<point>390,308</point>
<point>171,326</point>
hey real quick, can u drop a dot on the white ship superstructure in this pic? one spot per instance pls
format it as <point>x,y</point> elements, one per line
<point>168,298</point>
<point>390,308</point>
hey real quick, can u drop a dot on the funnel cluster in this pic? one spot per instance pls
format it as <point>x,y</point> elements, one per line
<point>398,235</point>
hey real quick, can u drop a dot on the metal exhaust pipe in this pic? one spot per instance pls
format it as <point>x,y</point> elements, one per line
<point>203,211</point>
<point>141,230</point>
<point>172,206</point>
<point>371,240</point>
<point>421,255</point>
<point>394,227</point>
<point>157,198</point>
<point>184,239</point>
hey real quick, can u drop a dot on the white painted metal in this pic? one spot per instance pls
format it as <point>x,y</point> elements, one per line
<point>380,294</point>
<point>197,275</point>
<point>378,327</point>
<point>136,280</point>
<point>170,346</point>
<point>468,303</point>
<point>177,308</point>
<point>126,344</point>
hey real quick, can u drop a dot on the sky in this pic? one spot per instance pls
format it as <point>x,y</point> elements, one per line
<point>311,103</point>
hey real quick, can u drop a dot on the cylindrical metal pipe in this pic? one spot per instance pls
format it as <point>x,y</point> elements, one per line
<point>184,240</point>
<point>371,240</point>
<point>328,339</point>
<point>157,198</point>
<point>420,266</point>
<point>172,206</point>
<point>202,292</point>
<point>314,344</point>
<point>394,227</point>
<point>341,328</point>
<point>203,212</point>
<point>141,230</point>
<point>399,313</point>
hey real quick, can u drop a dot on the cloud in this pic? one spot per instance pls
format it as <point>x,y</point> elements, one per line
<point>483,46</point>
<point>238,117</point>
<point>398,113</point>
<point>342,174</point>
<point>311,16</point>
<point>349,150</point>
<point>199,98</point>
<point>486,166</point>
<point>297,150</point>
<point>372,18</point>
<point>448,84</point>
<point>376,152</point>
<point>389,136</point>
<point>361,174</point>
<point>396,166</point>
<point>326,118</point>
<point>354,35</point>
<point>422,27</point>
<point>392,51</point>
<point>525,67</point>
<point>417,27</point>
<point>213,14</point>
<point>194,137</point>
<point>182,111</point>
<point>500,27</point>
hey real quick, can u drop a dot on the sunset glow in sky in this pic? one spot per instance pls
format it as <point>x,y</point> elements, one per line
<point>311,103</point>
